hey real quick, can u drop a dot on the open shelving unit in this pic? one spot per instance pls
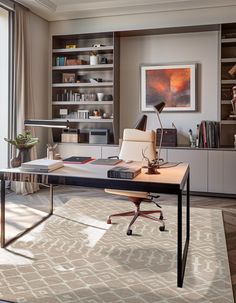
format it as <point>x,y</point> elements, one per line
<point>76,83</point>
<point>228,60</point>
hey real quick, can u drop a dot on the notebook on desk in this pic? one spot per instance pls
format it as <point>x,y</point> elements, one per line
<point>41,165</point>
<point>77,160</point>
<point>106,161</point>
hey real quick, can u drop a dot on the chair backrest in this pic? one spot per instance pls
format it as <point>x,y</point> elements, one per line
<point>135,141</point>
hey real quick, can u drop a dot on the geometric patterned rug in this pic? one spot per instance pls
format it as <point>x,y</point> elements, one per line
<point>75,257</point>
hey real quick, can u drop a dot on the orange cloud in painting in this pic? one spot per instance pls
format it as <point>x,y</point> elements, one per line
<point>169,85</point>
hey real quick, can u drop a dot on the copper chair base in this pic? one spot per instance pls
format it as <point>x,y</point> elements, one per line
<point>139,213</point>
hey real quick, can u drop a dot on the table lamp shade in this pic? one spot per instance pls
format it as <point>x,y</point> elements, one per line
<point>142,123</point>
<point>159,107</point>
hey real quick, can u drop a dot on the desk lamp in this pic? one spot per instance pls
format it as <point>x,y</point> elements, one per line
<point>142,123</point>
<point>158,109</point>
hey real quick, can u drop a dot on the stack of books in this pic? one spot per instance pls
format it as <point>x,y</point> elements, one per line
<point>41,165</point>
<point>123,172</point>
<point>209,134</point>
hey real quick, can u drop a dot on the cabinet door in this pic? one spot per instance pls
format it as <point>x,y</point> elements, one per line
<point>163,154</point>
<point>229,172</point>
<point>110,151</point>
<point>197,160</point>
<point>73,149</point>
<point>215,171</point>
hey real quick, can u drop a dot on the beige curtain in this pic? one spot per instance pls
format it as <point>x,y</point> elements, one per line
<point>24,99</point>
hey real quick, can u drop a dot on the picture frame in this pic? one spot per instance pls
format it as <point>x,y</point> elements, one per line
<point>68,78</point>
<point>174,84</point>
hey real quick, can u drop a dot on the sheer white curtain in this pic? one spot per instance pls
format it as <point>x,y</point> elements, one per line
<point>24,98</point>
<point>4,84</point>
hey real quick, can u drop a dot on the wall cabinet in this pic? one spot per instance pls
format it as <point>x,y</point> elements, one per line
<point>215,171</point>
<point>73,149</point>
<point>229,172</point>
<point>85,77</point>
<point>197,160</point>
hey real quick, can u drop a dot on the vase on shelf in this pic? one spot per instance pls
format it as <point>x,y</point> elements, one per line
<point>23,156</point>
<point>93,59</point>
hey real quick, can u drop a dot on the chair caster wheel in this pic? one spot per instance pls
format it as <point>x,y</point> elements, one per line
<point>129,232</point>
<point>162,228</point>
<point>108,221</point>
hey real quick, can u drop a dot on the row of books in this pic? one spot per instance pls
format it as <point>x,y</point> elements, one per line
<point>209,134</point>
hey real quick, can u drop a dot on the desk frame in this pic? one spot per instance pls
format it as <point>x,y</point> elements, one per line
<point>175,189</point>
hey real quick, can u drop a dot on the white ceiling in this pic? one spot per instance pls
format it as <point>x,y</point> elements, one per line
<point>53,10</point>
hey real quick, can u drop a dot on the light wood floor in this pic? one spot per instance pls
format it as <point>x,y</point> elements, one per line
<point>64,193</point>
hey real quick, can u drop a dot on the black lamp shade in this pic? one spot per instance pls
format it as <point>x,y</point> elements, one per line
<point>159,107</point>
<point>142,123</point>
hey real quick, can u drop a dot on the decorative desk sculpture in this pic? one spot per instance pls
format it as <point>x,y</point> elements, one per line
<point>152,165</point>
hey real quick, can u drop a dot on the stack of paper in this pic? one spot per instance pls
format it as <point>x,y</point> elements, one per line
<point>42,165</point>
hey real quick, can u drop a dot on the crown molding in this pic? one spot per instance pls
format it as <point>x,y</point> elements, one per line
<point>49,5</point>
<point>53,10</point>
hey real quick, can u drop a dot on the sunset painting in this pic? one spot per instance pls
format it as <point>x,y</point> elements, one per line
<point>174,85</point>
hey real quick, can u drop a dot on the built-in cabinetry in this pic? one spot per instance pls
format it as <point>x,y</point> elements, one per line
<point>197,160</point>
<point>228,80</point>
<point>85,83</point>
<point>211,171</point>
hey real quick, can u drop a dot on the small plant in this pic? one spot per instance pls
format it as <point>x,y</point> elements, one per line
<point>23,141</point>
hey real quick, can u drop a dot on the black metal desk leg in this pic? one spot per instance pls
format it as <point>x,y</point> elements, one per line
<point>4,243</point>
<point>182,258</point>
<point>179,242</point>
<point>51,200</point>
<point>2,213</point>
<point>188,210</point>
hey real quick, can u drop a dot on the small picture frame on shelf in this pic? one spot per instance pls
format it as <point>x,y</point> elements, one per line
<point>68,78</point>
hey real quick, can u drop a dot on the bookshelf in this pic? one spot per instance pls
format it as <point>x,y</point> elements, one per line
<point>228,80</point>
<point>76,81</point>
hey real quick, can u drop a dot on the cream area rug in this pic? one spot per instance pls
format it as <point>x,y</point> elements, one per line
<point>75,256</point>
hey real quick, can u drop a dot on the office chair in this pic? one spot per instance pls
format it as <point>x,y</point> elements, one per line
<point>134,142</point>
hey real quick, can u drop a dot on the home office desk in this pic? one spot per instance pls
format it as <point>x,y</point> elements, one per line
<point>170,181</point>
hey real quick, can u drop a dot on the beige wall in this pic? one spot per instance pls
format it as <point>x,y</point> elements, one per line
<point>39,33</point>
<point>200,48</point>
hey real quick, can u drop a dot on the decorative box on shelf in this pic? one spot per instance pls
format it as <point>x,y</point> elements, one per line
<point>169,137</point>
<point>70,135</point>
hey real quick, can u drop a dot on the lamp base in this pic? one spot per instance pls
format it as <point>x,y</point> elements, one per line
<point>152,170</point>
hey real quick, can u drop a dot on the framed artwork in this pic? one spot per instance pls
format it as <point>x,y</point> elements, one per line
<point>68,78</point>
<point>173,84</point>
